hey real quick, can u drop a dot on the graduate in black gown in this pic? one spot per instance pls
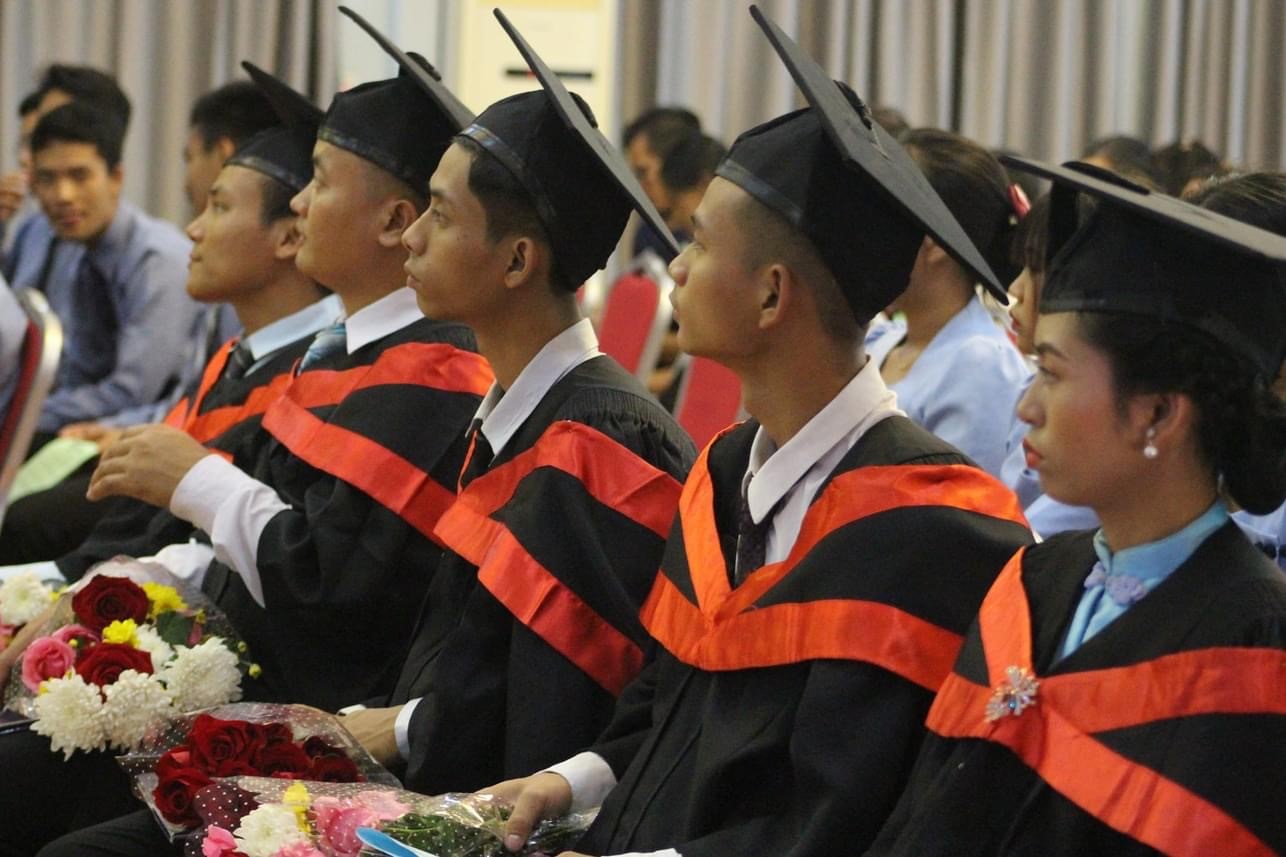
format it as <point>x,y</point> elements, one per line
<point>244,247</point>
<point>828,553</point>
<point>531,627</point>
<point>1123,691</point>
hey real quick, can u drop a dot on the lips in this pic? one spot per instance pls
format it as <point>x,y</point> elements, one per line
<point>1033,457</point>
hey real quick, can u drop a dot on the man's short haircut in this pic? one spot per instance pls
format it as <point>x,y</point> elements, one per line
<point>768,237</point>
<point>78,122</point>
<point>87,84</point>
<point>276,197</point>
<point>236,110</point>
<point>691,164</point>
<point>29,104</point>
<point>507,205</point>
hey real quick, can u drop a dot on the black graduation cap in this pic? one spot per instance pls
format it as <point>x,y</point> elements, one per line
<point>834,173</point>
<point>395,124</point>
<point>425,75</point>
<point>283,152</point>
<point>1145,253</point>
<point>581,187</point>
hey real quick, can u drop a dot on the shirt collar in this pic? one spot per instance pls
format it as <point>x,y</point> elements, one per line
<point>774,471</point>
<point>1156,560</point>
<point>504,411</point>
<point>111,245</point>
<point>312,318</point>
<point>387,315</point>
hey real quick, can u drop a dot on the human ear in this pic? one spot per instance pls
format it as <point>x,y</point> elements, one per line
<point>397,214</point>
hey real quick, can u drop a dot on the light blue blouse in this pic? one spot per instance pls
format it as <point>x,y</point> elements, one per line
<point>1120,579</point>
<point>1267,532</point>
<point>964,386</point>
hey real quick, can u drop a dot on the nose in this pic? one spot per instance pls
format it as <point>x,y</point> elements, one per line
<point>413,236</point>
<point>299,202</point>
<point>1029,410</point>
<point>193,229</point>
<point>678,269</point>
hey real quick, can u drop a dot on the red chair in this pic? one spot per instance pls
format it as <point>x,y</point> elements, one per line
<point>709,399</point>
<point>636,315</point>
<point>41,348</point>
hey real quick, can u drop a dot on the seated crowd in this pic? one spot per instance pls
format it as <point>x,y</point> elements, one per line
<point>966,581</point>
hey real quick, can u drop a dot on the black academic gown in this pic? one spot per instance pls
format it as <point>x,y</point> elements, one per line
<point>531,628</point>
<point>366,451</point>
<point>783,716</point>
<point>225,414</point>
<point>1163,733</point>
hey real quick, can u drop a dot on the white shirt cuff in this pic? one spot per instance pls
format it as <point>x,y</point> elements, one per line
<point>233,509</point>
<point>46,571</point>
<point>590,777</point>
<point>402,729</point>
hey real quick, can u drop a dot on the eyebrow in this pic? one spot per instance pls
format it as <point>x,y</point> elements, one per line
<point>1044,349</point>
<point>437,194</point>
<point>697,223</point>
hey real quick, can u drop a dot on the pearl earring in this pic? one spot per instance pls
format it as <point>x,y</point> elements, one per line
<point>1150,450</point>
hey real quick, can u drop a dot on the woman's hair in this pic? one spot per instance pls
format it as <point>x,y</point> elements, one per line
<point>1241,424</point>
<point>1031,238</point>
<point>1255,198</point>
<point>974,187</point>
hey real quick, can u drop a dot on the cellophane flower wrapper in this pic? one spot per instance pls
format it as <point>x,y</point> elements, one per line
<point>124,651</point>
<point>328,815</point>
<point>304,723</point>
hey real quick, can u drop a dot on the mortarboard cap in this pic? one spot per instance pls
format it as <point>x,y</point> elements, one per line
<point>393,123</point>
<point>579,184</point>
<point>1145,253</point>
<point>837,176</point>
<point>283,152</point>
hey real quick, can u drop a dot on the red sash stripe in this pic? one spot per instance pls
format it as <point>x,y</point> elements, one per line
<point>725,630</point>
<point>423,364</point>
<point>614,477</point>
<point>390,479</point>
<point>1053,737</point>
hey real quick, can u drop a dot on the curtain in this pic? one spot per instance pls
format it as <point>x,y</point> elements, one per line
<point>1043,77</point>
<point>164,55</point>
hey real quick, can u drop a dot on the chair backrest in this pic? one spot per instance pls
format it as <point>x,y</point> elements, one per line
<point>41,348</point>
<point>636,315</point>
<point>709,399</point>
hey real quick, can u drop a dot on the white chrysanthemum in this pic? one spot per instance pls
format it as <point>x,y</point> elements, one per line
<point>202,676</point>
<point>268,829</point>
<point>149,641</point>
<point>23,598</point>
<point>136,703</point>
<point>67,713</point>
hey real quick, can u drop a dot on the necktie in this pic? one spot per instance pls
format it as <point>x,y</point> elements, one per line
<point>752,540</point>
<point>240,359</point>
<point>480,455</point>
<point>328,341</point>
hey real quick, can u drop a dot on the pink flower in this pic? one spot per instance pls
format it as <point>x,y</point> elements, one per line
<point>299,849</point>
<point>46,658</point>
<point>383,803</point>
<point>337,822</point>
<point>217,842</point>
<point>68,633</point>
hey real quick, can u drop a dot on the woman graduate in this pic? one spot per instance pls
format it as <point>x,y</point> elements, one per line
<point>1123,691</point>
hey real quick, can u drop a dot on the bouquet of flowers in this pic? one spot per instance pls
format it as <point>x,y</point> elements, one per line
<point>256,817</point>
<point>124,659</point>
<point>22,599</point>
<point>174,764</point>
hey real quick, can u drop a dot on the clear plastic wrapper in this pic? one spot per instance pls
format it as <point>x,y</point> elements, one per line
<point>262,817</point>
<point>285,743</point>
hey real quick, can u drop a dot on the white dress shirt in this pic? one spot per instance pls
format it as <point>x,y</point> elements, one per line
<point>790,475</point>
<point>232,507</point>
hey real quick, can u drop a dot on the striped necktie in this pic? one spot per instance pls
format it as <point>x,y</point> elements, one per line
<point>328,341</point>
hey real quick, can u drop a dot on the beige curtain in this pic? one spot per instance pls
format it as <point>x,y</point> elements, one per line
<point>1043,77</point>
<point>165,53</point>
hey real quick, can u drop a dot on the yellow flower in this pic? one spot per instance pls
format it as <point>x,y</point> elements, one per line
<point>298,800</point>
<point>255,671</point>
<point>125,632</point>
<point>164,599</point>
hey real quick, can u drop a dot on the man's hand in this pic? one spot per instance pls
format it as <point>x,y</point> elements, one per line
<point>13,189</point>
<point>534,799</point>
<point>97,433</point>
<point>33,629</point>
<point>147,463</point>
<point>373,729</point>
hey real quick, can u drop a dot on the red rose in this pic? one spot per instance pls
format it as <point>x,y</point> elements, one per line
<point>106,599</point>
<point>283,760</point>
<point>224,745</point>
<point>316,746</point>
<point>277,733</point>
<point>104,663</point>
<point>175,794</point>
<point>334,769</point>
<point>225,805</point>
